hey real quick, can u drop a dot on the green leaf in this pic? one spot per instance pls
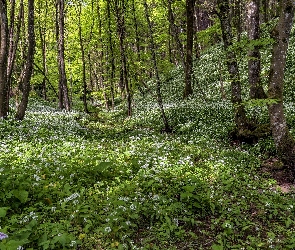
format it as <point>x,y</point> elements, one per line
<point>103,166</point>
<point>22,195</point>
<point>217,247</point>
<point>189,188</point>
<point>3,211</point>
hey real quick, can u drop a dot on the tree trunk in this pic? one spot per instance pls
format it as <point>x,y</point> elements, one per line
<point>83,60</point>
<point>120,14</point>
<point>42,34</point>
<point>232,65</point>
<point>167,128</point>
<point>27,72</point>
<point>254,68</point>
<point>64,101</point>
<point>175,34</point>
<point>112,60</point>
<point>190,5</point>
<point>3,58</point>
<point>284,142</point>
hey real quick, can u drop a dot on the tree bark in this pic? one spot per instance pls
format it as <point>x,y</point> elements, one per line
<point>167,128</point>
<point>64,101</point>
<point>254,67</point>
<point>120,15</point>
<point>232,65</point>
<point>83,60</point>
<point>175,34</point>
<point>3,58</point>
<point>284,142</point>
<point>112,59</point>
<point>190,5</point>
<point>42,34</point>
<point>28,70</point>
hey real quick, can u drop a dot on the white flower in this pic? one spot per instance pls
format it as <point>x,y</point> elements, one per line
<point>107,229</point>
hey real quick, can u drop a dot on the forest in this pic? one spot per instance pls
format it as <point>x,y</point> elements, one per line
<point>147,124</point>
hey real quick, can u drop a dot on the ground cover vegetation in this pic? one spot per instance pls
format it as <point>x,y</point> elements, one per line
<point>147,125</point>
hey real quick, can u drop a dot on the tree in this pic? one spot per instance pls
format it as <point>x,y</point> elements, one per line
<point>3,59</point>
<point>254,68</point>
<point>82,49</point>
<point>190,5</point>
<point>167,128</point>
<point>64,101</point>
<point>232,66</point>
<point>120,11</point>
<point>28,67</point>
<point>284,142</point>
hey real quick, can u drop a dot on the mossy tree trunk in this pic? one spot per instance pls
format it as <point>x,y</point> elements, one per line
<point>254,67</point>
<point>190,6</point>
<point>284,142</point>
<point>28,67</point>
<point>3,58</point>
<point>232,66</point>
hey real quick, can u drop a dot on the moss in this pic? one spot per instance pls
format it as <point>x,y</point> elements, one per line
<point>251,134</point>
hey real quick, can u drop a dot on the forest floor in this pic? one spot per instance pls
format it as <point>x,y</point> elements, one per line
<point>104,181</point>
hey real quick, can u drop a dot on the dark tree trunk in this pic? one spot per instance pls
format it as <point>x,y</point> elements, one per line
<point>175,34</point>
<point>284,142</point>
<point>64,101</point>
<point>190,6</point>
<point>265,4</point>
<point>42,34</point>
<point>3,58</point>
<point>83,60</point>
<point>120,15</point>
<point>167,128</point>
<point>232,65</point>
<point>254,68</point>
<point>112,59</point>
<point>28,70</point>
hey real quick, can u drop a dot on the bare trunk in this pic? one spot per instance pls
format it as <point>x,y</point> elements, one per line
<point>254,68</point>
<point>27,72</point>
<point>83,61</point>
<point>284,142</point>
<point>175,34</point>
<point>167,128</point>
<point>3,58</point>
<point>120,14</point>
<point>190,5</point>
<point>64,101</point>
<point>112,60</point>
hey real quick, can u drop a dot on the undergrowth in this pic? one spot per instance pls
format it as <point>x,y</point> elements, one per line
<point>103,181</point>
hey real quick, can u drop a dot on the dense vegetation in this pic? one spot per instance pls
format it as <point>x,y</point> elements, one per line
<point>103,181</point>
<point>147,124</point>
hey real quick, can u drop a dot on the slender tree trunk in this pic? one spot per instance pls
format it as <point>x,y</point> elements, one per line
<point>284,142</point>
<point>64,101</point>
<point>190,6</point>
<point>28,70</point>
<point>42,34</point>
<point>3,58</point>
<point>265,4</point>
<point>44,61</point>
<point>83,60</point>
<point>120,14</point>
<point>254,68</point>
<point>175,34</point>
<point>232,65</point>
<point>167,128</point>
<point>112,60</point>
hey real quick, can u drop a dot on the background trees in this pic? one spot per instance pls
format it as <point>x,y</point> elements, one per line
<point>108,51</point>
